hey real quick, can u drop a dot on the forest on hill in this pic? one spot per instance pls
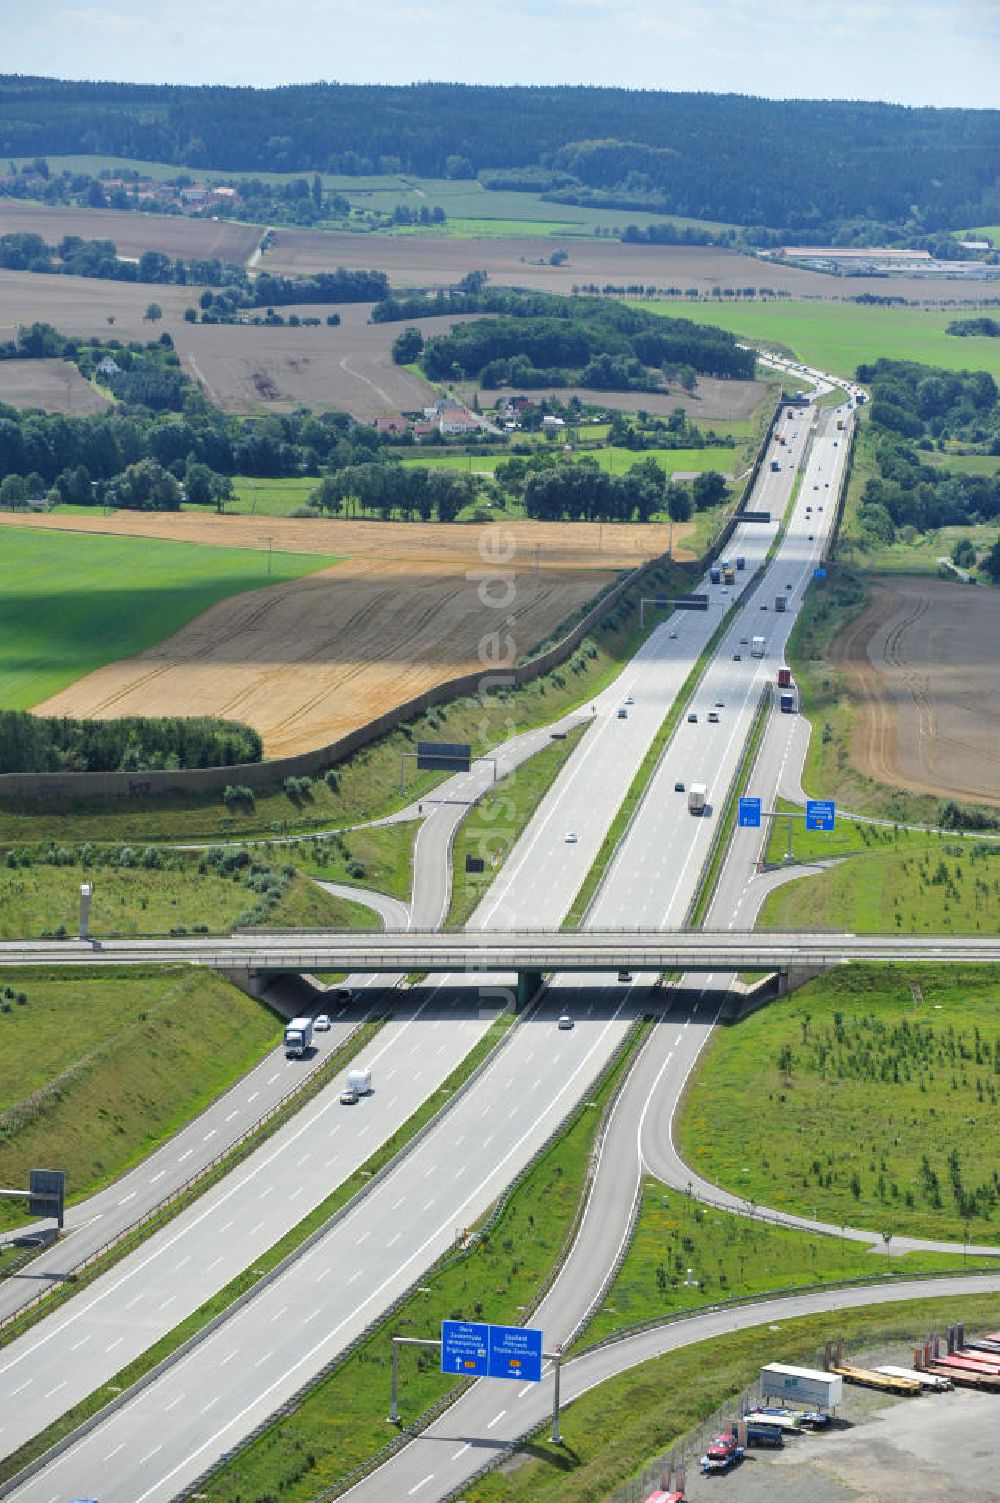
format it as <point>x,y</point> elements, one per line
<point>799,166</point>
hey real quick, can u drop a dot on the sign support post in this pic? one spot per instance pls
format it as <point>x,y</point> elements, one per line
<point>556,1436</point>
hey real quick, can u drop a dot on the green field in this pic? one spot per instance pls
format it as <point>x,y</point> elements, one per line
<point>175,894</point>
<point>613,460</point>
<point>684,1255</point>
<point>838,336</point>
<point>96,1069</point>
<point>73,601</point>
<point>270,498</point>
<point>868,1098</point>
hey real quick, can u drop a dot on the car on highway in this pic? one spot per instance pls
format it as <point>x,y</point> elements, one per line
<point>630,699</point>
<point>810,537</point>
<point>673,634</point>
<point>622,713</point>
<point>679,786</point>
<point>737,657</point>
<point>624,977</point>
<point>343,996</point>
<point>693,717</point>
<point>744,641</point>
<point>349,1096</point>
<point>565,1022</point>
<point>788,586</point>
<point>571,837</point>
<point>713,718</point>
<point>720,704</point>
<point>321,1022</point>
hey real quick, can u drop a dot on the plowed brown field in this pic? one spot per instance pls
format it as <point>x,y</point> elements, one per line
<point>308,660</point>
<point>922,662</point>
<point>134,231</point>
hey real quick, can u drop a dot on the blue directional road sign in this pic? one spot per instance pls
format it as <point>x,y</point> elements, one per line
<point>821,814</point>
<point>749,814</point>
<point>819,574</point>
<point>515,1352</point>
<point>465,1347</point>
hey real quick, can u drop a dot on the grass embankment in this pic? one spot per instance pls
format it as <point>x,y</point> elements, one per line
<point>879,1088</point>
<point>837,337</point>
<point>99,1067</point>
<point>366,785</point>
<point>379,856</point>
<point>493,827</point>
<point>684,1255</point>
<point>342,1422</point>
<point>891,880</point>
<point>634,1418</point>
<point>74,601</point>
<point>145,891</point>
<point>724,831</point>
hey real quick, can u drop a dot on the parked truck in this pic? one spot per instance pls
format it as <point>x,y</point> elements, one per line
<point>697,798</point>
<point>780,602</point>
<point>757,646</point>
<point>298,1038</point>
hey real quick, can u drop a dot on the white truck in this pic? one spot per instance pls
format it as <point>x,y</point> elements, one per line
<point>697,798</point>
<point>358,1084</point>
<point>298,1038</point>
<point>757,646</point>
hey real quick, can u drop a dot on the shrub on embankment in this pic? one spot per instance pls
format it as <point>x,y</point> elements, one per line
<point>36,743</point>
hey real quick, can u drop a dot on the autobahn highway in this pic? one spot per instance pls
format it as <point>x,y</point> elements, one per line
<point>588,792</point>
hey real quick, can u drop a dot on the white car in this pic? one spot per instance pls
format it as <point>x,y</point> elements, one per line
<point>321,1022</point>
<point>629,699</point>
<point>565,1022</point>
<point>571,837</point>
<point>349,1096</point>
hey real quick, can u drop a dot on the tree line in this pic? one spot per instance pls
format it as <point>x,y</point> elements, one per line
<point>793,165</point>
<point>44,743</point>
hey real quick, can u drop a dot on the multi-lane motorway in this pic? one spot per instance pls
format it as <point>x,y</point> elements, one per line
<point>239,1374</point>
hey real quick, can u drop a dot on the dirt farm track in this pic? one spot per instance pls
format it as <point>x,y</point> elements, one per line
<point>921,660</point>
<point>308,660</point>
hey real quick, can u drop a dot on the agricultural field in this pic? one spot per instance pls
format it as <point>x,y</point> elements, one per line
<point>920,663</point>
<point>612,460</point>
<point>89,306</point>
<point>96,1069</point>
<point>878,1087</point>
<point>52,385</point>
<point>838,337</point>
<point>73,602</point>
<point>133,231</point>
<point>425,261</point>
<point>313,657</point>
<point>712,403</point>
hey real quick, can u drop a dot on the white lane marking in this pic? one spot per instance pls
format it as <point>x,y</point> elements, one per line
<point>397,1203</point>
<point>279,1314</point>
<point>213,1265</point>
<point>186,1155</point>
<point>57,1388</point>
<point>274,1077</point>
<point>115,1451</point>
<point>423,1483</point>
<point>77,1345</point>
<point>173,1403</point>
<point>253,1097</point>
<point>232,1115</point>
<point>229,1358</point>
<point>150,1454</point>
<point>117,1342</point>
<point>496,1419</point>
<point>467,1447</point>
<point>210,1135</point>
<point>520,1393</point>
<point>15,1391</point>
<point>157,1176</point>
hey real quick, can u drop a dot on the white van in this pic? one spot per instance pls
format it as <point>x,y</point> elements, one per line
<point>359,1083</point>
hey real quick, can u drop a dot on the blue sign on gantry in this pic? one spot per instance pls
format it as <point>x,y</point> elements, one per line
<point>821,814</point>
<point>515,1352</point>
<point>465,1348</point>
<point>749,817</point>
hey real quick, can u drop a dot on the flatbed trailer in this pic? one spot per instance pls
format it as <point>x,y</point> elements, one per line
<point>964,1377</point>
<point>866,1377</point>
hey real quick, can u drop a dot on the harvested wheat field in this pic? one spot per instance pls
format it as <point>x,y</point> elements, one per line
<point>134,231</point>
<point>89,306</point>
<point>921,659</point>
<point>308,660</point>
<point>52,385</point>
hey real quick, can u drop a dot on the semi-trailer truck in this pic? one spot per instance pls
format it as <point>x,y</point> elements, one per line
<point>697,798</point>
<point>784,678</point>
<point>298,1038</point>
<point>757,646</point>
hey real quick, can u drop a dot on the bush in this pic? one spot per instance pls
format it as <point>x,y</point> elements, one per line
<point>238,796</point>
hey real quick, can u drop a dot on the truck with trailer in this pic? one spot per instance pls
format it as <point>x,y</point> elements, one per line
<point>298,1038</point>
<point>697,798</point>
<point>358,1084</point>
<point>757,647</point>
<point>784,678</point>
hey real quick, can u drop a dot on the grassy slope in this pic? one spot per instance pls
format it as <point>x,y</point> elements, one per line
<point>72,602</point>
<point>385,852</point>
<point>834,1109</point>
<point>728,1256</point>
<point>838,336</point>
<point>895,880</point>
<point>97,1069</point>
<point>134,900</point>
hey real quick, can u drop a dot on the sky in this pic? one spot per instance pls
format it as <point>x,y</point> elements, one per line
<point>904,51</point>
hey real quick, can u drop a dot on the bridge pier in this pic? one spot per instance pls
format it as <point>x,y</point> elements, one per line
<point>529,984</point>
<point>783,983</point>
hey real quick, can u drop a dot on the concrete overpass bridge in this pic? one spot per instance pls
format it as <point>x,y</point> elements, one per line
<point>528,954</point>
